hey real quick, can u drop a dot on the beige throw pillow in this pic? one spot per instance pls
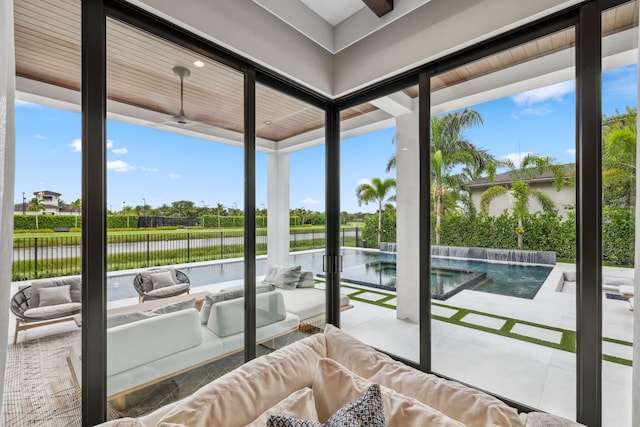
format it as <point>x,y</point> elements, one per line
<point>473,408</point>
<point>55,295</point>
<point>299,404</point>
<point>162,279</point>
<point>334,386</point>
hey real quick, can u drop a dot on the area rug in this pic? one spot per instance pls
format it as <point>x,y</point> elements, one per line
<point>39,389</point>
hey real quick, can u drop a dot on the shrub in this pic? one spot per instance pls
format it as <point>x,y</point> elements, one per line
<point>370,229</point>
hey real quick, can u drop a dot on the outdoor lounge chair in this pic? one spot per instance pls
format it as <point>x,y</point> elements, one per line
<point>31,309</point>
<point>162,282</point>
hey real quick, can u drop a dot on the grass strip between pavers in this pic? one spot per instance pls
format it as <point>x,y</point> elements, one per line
<point>567,342</point>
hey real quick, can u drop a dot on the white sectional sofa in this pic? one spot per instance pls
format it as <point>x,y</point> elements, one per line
<point>314,377</point>
<point>157,346</point>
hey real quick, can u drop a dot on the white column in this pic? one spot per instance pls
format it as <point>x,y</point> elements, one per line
<point>7,171</point>
<point>408,203</point>
<point>278,208</point>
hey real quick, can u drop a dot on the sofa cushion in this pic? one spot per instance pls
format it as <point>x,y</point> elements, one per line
<point>334,385</point>
<point>169,290</point>
<point>51,311</point>
<point>124,318</point>
<point>471,407</point>
<point>288,277</point>
<point>163,279</point>
<point>306,280</point>
<point>54,296</point>
<point>237,398</point>
<point>145,277</point>
<point>308,302</point>
<point>299,404</point>
<point>227,317</point>
<point>227,294</point>
<point>74,283</point>
<point>136,344</point>
<point>176,306</point>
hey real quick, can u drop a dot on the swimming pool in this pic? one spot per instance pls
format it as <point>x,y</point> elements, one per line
<point>376,269</point>
<point>447,275</point>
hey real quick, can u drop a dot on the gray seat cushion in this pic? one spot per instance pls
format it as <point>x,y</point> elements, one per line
<point>169,290</point>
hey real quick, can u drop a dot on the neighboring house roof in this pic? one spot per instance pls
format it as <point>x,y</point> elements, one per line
<point>505,178</point>
<point>47,193</point>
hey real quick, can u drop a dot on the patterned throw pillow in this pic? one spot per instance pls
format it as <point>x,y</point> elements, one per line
<point>366,411</point>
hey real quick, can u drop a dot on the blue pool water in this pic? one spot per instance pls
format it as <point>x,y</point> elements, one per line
<point>377,269</point>
<point>518,280</point>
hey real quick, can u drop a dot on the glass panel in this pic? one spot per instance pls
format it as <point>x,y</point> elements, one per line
<point>47,224</point>
<point>379,172</point>
<point>290,174</point>
<point>619,109</point>
<point>503,223</point>
<point>175,174</point>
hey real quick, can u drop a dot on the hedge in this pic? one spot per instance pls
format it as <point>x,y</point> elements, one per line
<point>28,222</point>
<point>370,229</point>
<point>543,232</point>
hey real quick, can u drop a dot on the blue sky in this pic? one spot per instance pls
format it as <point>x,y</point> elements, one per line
<point>162,167</point>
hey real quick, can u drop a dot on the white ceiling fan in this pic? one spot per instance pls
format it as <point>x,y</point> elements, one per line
<point>179,119</point>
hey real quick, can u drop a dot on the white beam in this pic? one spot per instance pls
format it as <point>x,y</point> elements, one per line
<point>396,104</point>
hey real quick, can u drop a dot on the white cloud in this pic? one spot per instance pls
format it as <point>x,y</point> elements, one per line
<point>120,151</point>
<point>109,143</point>
<point>539,111</point>
<point>571,151</point>
<point>364,181</point>
<point>76,144</point>
<point>309,201</point>
<point>147,169</point>
<point>119,166</point>
<point>39,136</point>
<point>174,176</point>
<point>554,92</point>
<point>515,158</point>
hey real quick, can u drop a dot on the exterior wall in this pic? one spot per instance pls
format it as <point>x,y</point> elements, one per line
<point>566,196</point>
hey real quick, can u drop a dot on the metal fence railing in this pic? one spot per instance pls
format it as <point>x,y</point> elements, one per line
<point>35,257</point>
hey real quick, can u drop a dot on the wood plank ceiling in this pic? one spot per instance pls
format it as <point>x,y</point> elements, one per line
<point>47,34</point>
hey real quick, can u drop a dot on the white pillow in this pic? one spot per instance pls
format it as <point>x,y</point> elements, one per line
<point>162,279</point>
<point>54,295</point>
<point>272,273</point>
<point>288,277</point>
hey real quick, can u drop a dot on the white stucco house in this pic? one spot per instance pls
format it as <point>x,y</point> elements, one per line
<point>564,199</point>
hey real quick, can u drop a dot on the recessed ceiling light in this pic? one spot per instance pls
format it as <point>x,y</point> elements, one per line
<point>198,63</point>
<point>267,122</point>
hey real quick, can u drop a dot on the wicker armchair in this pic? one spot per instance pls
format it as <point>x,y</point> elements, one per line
<point>145,290</point>
<point>20,303</point>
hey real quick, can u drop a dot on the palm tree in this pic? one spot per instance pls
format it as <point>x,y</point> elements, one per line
<point>377,191</point>
<point>36,205</point>
<point>449,149</point>
<point>76,206</point>
<point>532,166</point>
<point>619,163</point>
